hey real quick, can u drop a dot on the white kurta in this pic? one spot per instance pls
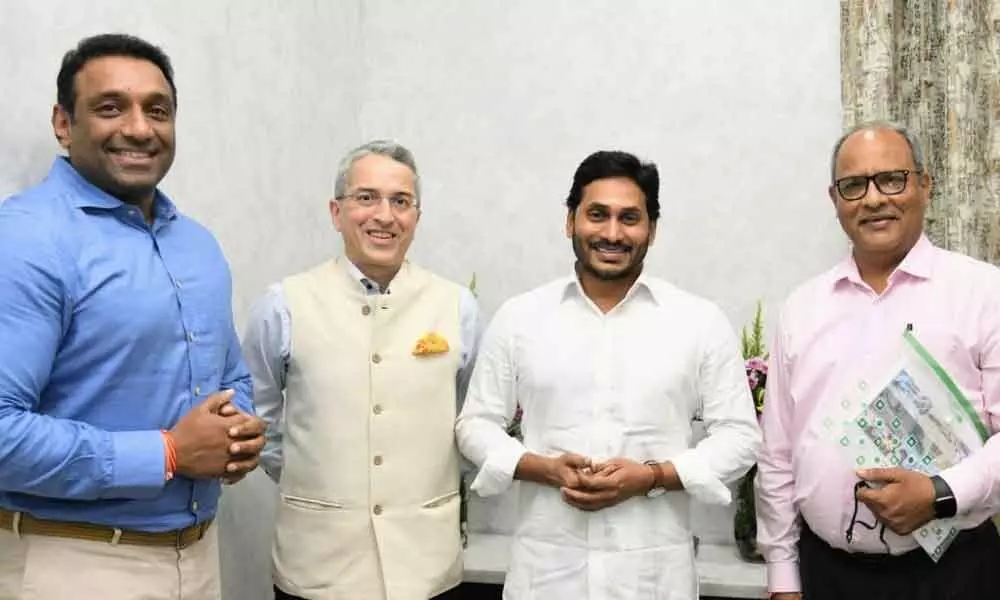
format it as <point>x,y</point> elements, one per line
<point>622,384</point>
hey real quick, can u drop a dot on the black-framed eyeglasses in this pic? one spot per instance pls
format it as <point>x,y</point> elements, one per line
<point>399,203</point>
<point>889,183</point>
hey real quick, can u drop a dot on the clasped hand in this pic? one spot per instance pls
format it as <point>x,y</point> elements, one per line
<point>591,486</point>
<point>216,439</point>
<point>904,501</point>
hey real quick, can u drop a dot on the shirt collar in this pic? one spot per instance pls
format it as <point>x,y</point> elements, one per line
<point>918,263</point>
<point>89,195</point>
<point>371,288</point>
<point>572,287</point>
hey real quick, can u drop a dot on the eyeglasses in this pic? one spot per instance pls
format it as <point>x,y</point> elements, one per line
<point>889,183</point>
<point>399,203</point>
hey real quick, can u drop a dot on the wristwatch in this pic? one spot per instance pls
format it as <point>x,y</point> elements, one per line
<point>944,499</point>
<point>659,478</point>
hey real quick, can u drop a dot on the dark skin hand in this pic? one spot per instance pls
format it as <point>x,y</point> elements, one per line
<point>608,484</point>
<point>561,471</point>
<point>201,438</point>
<point>904,502</point>
<point>247,441</point>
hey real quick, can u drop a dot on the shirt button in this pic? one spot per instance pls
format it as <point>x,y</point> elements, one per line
<point>190,337</point>
<point>377,409</point>
<point>376,358</point>
<point>197,390</point>
<point>177,284</point>
<point>378,460</point>
<point>366,310</point>
<point>377,509</point>
<point>194,505</point>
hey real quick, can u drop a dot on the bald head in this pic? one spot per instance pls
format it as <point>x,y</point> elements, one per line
<point>868,132</point>
<point>881,192</point>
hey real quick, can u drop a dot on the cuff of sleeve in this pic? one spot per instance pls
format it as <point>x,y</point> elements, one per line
<point>967,482</point>
<point>698,481</point>
<point>138,469</point>
<point>497,472</point>
<point>783,577</point>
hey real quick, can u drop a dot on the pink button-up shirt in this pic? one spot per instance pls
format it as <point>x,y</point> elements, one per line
<point>830,331</point>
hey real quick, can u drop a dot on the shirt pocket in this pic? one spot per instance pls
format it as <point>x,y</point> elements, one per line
<point>307,503</point>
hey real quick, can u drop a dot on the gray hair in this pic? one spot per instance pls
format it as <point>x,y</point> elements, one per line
<point>916,150</point>
<point>387,148</point>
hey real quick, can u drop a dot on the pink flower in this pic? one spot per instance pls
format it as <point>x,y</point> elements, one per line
<point>756,363</point>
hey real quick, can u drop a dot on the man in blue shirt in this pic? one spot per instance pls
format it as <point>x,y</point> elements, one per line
<point>124,400</point>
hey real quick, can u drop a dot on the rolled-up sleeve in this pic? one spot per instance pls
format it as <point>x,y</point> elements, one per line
<point>733,437</point>
<point>490,405</point>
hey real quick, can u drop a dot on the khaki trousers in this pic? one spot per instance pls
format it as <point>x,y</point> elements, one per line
<point>53,568</point>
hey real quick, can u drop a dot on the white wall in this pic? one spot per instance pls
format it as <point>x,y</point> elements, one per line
<point>737,101</point>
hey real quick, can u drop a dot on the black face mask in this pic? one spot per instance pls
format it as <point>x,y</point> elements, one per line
<point>849,534</point>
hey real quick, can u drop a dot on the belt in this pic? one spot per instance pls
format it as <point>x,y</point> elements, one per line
<point>25,524</point>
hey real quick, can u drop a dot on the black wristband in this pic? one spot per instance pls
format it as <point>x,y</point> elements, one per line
<point>945,505</point>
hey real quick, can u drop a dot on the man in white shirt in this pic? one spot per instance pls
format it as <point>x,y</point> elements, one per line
<point>359,365</point>
<point>609,366</point>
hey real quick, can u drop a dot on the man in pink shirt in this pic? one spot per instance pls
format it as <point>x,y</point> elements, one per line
<point>822,540</point>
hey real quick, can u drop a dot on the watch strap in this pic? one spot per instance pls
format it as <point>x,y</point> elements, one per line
<point>659,477</point>
<point>945,505</point>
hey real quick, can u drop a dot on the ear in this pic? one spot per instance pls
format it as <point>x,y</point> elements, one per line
<point>927,185</point>
<point>61,126</point>
<point>570,215</point>
<point>652,232</point>
<point>832,192</point>
<point>335,213</point>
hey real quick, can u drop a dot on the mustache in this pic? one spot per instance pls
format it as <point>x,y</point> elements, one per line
<point>609,246</point>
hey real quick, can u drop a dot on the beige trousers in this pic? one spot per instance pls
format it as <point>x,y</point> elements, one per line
<point>52,568</point>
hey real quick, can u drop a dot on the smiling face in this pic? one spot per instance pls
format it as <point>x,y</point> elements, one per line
<point>377,235</point>
<point>611,229</point>
<point>121,134</point>
<point>883,224</point>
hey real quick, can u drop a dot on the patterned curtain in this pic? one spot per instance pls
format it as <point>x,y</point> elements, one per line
<point>934,66</point>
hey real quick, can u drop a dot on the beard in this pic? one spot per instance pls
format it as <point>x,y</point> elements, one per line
<point>636,254</point>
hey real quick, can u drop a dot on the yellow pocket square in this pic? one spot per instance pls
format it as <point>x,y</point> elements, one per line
<point>430,343</point>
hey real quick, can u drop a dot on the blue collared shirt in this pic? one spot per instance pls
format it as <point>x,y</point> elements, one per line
<point>110,330</point>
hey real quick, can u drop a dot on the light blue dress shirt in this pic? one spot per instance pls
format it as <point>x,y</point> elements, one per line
<point>267,346</point>
<point>110,330</point>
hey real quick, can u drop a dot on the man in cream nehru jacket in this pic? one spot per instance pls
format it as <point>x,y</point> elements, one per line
<point>360,364</point>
